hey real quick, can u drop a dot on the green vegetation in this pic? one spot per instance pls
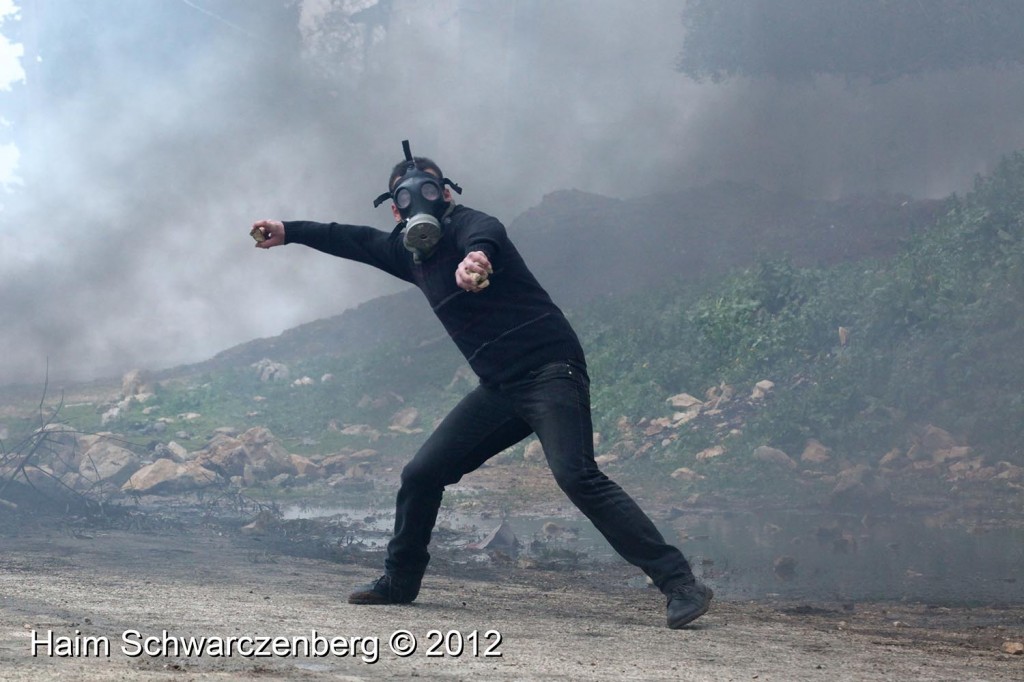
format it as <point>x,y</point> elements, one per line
<point>933,337</point>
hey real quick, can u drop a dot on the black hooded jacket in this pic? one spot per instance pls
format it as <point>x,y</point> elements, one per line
<point>504,331</point>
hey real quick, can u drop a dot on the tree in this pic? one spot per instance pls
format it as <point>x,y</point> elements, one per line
<point>880,40</point>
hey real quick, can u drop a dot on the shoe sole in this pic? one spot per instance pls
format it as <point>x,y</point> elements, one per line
<point>373,599</point>
<point>368,600</point>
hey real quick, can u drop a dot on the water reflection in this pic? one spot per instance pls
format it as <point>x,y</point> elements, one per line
<point>816,556</point>
<point>785,554</point>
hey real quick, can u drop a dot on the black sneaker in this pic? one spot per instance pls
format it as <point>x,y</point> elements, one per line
<point>386,590</point>
<point>687,603</point>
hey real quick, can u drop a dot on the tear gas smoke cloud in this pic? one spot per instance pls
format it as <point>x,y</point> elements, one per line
<point>153,134</point>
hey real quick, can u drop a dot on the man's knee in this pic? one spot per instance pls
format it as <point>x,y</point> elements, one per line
<point>576,481</point>
<point>429,469</point>
<point>420,474</point>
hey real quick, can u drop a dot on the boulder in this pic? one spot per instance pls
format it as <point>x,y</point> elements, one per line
<point>762,389</point>
<point>924,466</point>
<point>268,370</point>
<point>405,420</point>
<point>934,439</point>
<point>282,480</point>
<point>717,395</point>
<point>256,455</point>
<point>771,455</point>
<point>267,456</point>
<point>135,383</point>
<point>107,461</point>
<point>534,451</point>
<point>365,455</point>
<point>815,453</point>
<point>33,484</point>
<point>656,426</point>
<point>854,475</point>
<point>680,418</point>
<point>357,472</point>
<point>957,452</point>
<point>62,447</point>
<point>224,454</point>
<point>859,486</point>
<point>166,477</point>
<point>364,430</point>
<point>965,468</point>
<point>75,481</point>
<point>1009,472</point>
<point>336,463</point>
<point>171,451</point>
<point>892,459</point>
<point>710,453</point>
<point>61,435</point>
<point>177,452</point>
<point>683,401</point>
<point>303,466</point>
<point>686,474</point>
<point>501,538</point>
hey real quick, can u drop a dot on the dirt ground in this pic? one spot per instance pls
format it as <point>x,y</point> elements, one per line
<point>77,588</point>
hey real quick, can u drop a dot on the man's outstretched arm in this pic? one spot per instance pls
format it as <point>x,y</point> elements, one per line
<point>353,242</point>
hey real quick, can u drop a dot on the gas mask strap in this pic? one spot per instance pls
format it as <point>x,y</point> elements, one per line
<point>407,150</point>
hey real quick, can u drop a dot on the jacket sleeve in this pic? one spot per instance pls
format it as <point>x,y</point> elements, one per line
<point>483,233</point>
<point>353,242</point>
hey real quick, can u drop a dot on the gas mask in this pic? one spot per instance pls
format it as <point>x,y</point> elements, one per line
<point>419,197</point>
<point>420,201</point>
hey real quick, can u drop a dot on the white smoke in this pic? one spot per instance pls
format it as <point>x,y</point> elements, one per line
<point>147,150</point>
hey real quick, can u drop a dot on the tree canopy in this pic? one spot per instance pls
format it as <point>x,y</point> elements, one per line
<point>875,39</point>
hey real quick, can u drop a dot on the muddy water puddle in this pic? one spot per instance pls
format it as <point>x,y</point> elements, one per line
<point>778,554</point>
<point>801,554</point>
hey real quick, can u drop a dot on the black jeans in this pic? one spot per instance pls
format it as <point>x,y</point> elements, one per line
<point>554,403</point>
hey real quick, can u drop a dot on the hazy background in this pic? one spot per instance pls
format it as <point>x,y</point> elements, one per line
<point>149,135</point>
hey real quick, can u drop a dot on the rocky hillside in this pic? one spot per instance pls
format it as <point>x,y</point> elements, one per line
<point>742,343</point>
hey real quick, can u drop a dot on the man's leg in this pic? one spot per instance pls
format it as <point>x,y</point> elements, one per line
<point>479,427</point>
<point>556,402</point>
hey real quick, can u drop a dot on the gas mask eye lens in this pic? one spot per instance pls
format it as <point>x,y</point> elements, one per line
<point>403,198</point>
<point>430,191</point>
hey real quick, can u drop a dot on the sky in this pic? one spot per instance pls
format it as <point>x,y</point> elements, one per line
<point>10,73</point>
<point>140,140</point>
